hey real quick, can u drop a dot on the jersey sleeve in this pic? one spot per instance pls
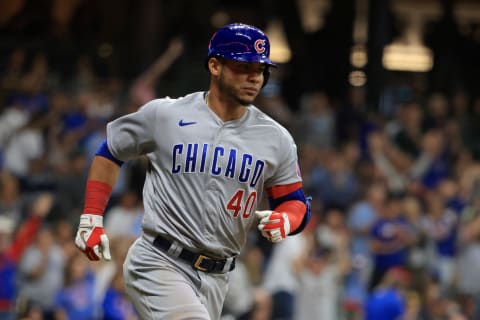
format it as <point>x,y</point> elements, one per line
<point>287,171</point>
<point>133,134</point>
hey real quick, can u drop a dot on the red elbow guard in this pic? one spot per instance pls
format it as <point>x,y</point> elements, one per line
<point>295,210</point>
<point>97,194</point>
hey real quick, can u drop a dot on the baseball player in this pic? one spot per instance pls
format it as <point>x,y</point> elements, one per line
<point>212,155</point>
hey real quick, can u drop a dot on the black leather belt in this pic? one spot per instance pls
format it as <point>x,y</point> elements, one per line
<point>196,260</point>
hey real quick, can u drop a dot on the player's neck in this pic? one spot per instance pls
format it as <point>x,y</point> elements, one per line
<point>225,109</point>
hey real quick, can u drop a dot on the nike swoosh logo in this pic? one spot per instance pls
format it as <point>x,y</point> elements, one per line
<point>182,123</point>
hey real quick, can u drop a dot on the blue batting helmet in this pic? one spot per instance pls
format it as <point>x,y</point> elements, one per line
<point>240,42</point>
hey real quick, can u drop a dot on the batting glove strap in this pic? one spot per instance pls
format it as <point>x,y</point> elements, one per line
<point>91,237</point>
<point>91,220</point>
<point>275,226</point>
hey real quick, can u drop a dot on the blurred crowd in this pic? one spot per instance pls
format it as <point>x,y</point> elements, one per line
<point>395,232</point>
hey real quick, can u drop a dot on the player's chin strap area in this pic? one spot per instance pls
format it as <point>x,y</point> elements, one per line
<point>197,260</point>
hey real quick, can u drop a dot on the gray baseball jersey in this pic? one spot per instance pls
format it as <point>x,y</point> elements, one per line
<point>202,187</point>
<point>205,176</point>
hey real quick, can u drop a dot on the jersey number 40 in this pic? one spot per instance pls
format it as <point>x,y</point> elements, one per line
<point>238,204</point>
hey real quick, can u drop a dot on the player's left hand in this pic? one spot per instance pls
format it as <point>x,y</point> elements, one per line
<point>91,237</point>
<point>274,225</point>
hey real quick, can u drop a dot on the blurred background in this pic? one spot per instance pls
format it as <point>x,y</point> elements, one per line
<point>381,97</point>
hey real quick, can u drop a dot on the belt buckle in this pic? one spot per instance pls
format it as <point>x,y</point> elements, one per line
<point>199,261</point>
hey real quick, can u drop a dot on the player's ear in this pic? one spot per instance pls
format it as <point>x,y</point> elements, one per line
<point>214,65</point>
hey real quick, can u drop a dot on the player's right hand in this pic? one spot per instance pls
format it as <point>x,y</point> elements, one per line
<point>91,238</point>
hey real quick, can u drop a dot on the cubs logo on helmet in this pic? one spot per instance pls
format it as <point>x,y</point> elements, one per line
<point>259,45</point>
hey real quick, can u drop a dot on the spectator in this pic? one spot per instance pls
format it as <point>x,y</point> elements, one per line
<point>437,111</point>
<point>7,269</point>
<point>245,299</point>
<point>30,94</point>
<point>39,268</point>
<point>391,237</point>
<point>143,88</point>
<point>70,188</point>
<point>351,118</point>
<point>309,157</point>
<point>124,218</point>
<point>335,183</point>
<point>63,233</point>
<point>449,191</point>
<point>116,305</point>
<point>410,133</point>
<point>11,120</point>
<point>316,120</point>
<point>109,275</point>
<point>360,220</point>
<point>84,77</point>
<point>25,146</point>
<point>279,277</point>
<point>387,300</point>
<point>272,102</point>
<point>469,235</point>
<point>11,200</point>
<point>413,212</point>
<point>438,305</point>
<point>440,226</point>
<point>76,299</point>
<point>320,269</point>
<point>12,246</point>
<point>13,72</point>
<point>388,160</point>
<point>432,166</point>
<point>405,174</point>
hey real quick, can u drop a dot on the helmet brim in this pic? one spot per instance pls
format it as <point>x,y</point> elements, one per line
<point>250,58</point>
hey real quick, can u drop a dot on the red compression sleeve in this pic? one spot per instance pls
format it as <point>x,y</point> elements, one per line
<point>97,194</point>
<point>295,210</point>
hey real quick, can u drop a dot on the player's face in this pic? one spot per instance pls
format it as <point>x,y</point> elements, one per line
<point>241,81</point>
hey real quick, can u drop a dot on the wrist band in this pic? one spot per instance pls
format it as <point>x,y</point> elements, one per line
<point>97,194</point>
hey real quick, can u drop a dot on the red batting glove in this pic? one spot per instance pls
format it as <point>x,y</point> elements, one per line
<point>274,225</point>
<point>91,238</point>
